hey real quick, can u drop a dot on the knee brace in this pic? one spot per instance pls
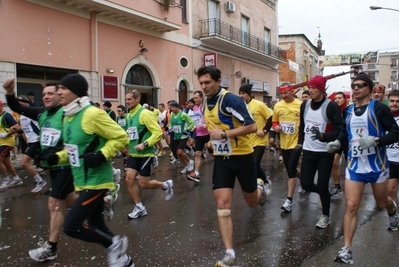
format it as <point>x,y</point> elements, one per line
<point>224,212</point>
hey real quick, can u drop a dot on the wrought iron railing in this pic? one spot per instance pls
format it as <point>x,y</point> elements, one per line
<point>271,3</point>
<point>216,27</point>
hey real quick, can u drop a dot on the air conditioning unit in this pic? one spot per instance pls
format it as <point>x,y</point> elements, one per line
<point>230,7</point>
<point>245,81</point>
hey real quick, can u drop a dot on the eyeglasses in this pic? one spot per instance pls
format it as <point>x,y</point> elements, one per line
<point>359,85</point>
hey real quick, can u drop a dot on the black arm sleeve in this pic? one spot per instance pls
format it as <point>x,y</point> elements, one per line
<point>343,135</point>
<point>301,134</point>
<point>387,121</point>
<point>334,115</point>
<point>28,111</point>
<point>268,124</point>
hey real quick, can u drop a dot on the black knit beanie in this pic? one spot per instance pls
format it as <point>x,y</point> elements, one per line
<point>246,88</point>
<point>76,83</point>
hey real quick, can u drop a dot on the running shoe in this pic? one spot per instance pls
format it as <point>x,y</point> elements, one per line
<point>190,166</point>
<point>115,192</point>
<point>323,222</point>
<point>192,152</point>
<point>43,252</point>
<point>280,158</point>
<point>161,153</point>
<point>336,191</point>
<point>117,175</point>
<point>261,185</point>
<point>117,251</point>
<point>268,187</point>
<point>169,190</point>
<point>39,186</point>
<point>394,220</point>
<point>344,256</point>
<point>156,151</point>
<point>184,170</point>
<point>174,161</point>
<point>227,261</point>
<point>5,184</point>
<point>155,162</point>
<point>15,182</point>
<point>301,190</point>
<point>108,211</point>
<point>129,262</point>
<point>137,212</point>
<point>193,177</point>
<point>287,206</point>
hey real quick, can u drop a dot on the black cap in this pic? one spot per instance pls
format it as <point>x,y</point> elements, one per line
<point>76,83</point>
<point>107,104</point>
<point>246,88</point>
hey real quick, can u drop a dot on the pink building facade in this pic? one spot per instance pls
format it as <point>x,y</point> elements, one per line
<point>119,45</point>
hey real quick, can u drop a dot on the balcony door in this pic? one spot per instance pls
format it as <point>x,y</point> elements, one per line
<point>245,30</point>
<point>213,16</point>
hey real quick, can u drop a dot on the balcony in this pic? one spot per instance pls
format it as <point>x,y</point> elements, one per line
<point>145,14</point>
<point>222,36</point>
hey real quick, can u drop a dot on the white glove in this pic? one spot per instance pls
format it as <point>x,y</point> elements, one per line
<point>366,141</point>
<point>333,146</point>
<point>3,135</point>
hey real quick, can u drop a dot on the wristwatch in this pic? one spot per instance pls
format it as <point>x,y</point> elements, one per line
<point>145,143</point>
<point>223,134</point>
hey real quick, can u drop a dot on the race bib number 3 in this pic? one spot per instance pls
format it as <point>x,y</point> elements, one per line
<point>50,137</point>
<point>73,155</point>
<point>222,147</point>
<point>287,127</point>
<point>133,134</point>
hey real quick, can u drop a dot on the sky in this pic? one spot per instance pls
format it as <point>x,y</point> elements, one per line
<point>346,26</point>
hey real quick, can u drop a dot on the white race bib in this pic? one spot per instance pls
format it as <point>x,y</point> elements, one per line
<point>222,147</point>
<point>287,127</point>
<point>50,137</point>
<point>122,122</point>
<point>176,128</point>
<point>197,119</point>
<point>357,150</point>
<point>73,155</point>
<point>133,134</point>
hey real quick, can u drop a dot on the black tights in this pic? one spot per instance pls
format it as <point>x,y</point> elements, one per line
<point>89,206</point>
<point>321,162</point>
<point>258,154</point>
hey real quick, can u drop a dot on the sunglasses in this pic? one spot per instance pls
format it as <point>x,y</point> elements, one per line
<point>359,85</point>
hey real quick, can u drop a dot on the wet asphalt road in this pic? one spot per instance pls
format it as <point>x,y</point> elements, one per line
<point>184,230</point>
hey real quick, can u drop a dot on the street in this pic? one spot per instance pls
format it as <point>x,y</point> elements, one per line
<point>184,230</point>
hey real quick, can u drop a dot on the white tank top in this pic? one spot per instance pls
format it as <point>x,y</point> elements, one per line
<point>315,118</point>
<point>30,128</point>
<point>393,149</point>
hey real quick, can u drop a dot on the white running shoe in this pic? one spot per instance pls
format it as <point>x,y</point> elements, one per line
<point>117,175</point>
<point>287,206</point>
<point>108,203</point>
<point>169,190</point>
<point>190,166</point>
<point>43,252</point>
<point>39,186</point>
<point>137,212</point>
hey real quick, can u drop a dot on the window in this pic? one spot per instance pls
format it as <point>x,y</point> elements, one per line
<point>245,30</point>
<point>183,4</point>
<point>183,62</point>
<point>267,40</point>
<point>395,62</point>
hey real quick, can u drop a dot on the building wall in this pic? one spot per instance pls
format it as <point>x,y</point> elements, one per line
<point>60,36</point>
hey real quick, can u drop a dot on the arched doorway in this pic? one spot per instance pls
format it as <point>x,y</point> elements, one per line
<point>139,78</point>
<point>183,90</point>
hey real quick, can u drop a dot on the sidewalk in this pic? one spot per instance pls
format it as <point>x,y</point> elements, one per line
<point>373,245</point>
<point>17,161</point>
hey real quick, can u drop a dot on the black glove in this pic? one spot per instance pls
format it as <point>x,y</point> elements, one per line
<point>93,159</point>
<point>298,148</point>
<point>316,133</point>
<point>49,155</point>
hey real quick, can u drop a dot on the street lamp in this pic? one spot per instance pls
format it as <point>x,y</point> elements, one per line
<point>378,7</point>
